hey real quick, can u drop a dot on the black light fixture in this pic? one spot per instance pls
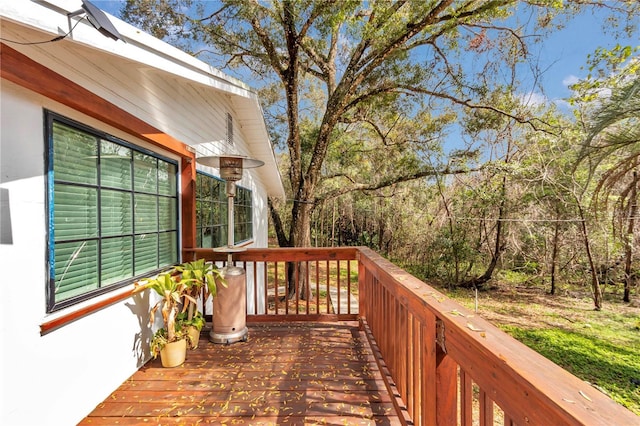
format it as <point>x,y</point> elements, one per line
<point>98,19</point>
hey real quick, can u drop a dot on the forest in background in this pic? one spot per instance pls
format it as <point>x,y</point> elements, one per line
<point>554,208</point>
<point>362,100</point>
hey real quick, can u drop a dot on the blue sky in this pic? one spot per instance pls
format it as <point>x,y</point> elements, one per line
<point>562,55</point>
<point>565,52</point>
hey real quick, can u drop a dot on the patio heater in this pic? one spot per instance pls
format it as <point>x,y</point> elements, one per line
<point>230,303</point>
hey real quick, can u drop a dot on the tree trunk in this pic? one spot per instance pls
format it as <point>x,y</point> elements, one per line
<point>454,251</point>
<point>596,290</point>
<point>629,239</point>
<point>297,282</point>
<point>554,252</point>
<point>498,247</point>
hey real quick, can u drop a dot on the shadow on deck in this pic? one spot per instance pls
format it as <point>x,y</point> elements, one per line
<point>296,373</point>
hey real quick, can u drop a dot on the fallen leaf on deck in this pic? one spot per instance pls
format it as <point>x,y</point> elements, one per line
<point>584,396</point>
<point>473,327</point>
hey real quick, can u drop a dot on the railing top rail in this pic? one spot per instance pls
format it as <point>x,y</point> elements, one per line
<point>280,254</point>
<point>515,376</point>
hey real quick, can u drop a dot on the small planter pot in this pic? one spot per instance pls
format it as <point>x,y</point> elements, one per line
<point>194,336</point>
<point>173,354</point>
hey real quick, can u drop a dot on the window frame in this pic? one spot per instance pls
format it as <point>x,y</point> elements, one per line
<point>238,199</point>
<point>50,118</point>
<point>240,207</point>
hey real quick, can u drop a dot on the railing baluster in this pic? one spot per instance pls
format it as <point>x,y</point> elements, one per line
<point>416,363</point>
<point>338,304</point>
<point>255,288</point>
<point>410,362</point>
<point>403,349</point>
<point>363,290</point>
<point>307,286</point>
<point>266,287</point>
<point>486,409</point>
<point>349,287</point>
<point>275,300</point>
<point>429,383</point>
<point>296,275</point>
<point>466,399</point>
<point>328,286</point>
<point>317,311</point>
<point>508,421</point>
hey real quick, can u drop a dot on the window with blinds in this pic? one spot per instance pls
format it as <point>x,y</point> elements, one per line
<point>212,216</point>
<point>113,212</point>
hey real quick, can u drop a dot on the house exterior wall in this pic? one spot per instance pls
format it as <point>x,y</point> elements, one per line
<point>146,93</point>
<point>59,377</point>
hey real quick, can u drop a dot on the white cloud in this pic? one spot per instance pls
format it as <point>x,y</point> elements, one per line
<point>533,99</point>
<point>563,104</point>
<point>569,80</point>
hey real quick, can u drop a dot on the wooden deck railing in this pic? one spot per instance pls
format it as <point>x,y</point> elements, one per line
<point>328,275</point>
<point>446,365</point>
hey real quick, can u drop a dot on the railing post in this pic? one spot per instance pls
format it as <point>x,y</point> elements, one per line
<point>363,279</point>
<point>447,387</point>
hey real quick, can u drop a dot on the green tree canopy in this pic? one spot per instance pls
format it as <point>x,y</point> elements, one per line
<point>374,85</point>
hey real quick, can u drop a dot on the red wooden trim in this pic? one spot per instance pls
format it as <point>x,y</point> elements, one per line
<point>23,71</point>
<point>51,325</point>
<point>188,196</point>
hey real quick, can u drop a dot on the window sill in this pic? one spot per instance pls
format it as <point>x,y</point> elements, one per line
<point>71,314</point>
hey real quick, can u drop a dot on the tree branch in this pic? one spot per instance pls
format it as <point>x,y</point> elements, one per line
<point>392,180</point>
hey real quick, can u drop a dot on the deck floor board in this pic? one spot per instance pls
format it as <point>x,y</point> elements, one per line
<point>298,374</point>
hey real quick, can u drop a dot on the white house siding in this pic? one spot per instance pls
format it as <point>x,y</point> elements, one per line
<point>148,78</point>
<point>59,377</point>
<point>71,369</point>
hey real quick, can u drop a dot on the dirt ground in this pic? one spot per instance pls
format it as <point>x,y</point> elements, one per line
<point>533,307</point>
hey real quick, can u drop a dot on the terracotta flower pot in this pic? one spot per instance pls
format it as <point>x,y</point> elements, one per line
<point>173,354</point>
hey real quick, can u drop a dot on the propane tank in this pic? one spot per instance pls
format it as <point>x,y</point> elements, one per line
<point>230,307</point>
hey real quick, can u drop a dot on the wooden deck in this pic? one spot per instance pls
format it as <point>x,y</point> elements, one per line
<point>311,373</point>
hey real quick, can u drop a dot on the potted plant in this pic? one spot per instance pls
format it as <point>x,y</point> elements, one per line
<point>170,341</point>
<point>192,327</point>
<point>195,275</point>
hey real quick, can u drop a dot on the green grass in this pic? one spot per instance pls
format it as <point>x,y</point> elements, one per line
<point>611,365</point>
<point>600,347</point>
